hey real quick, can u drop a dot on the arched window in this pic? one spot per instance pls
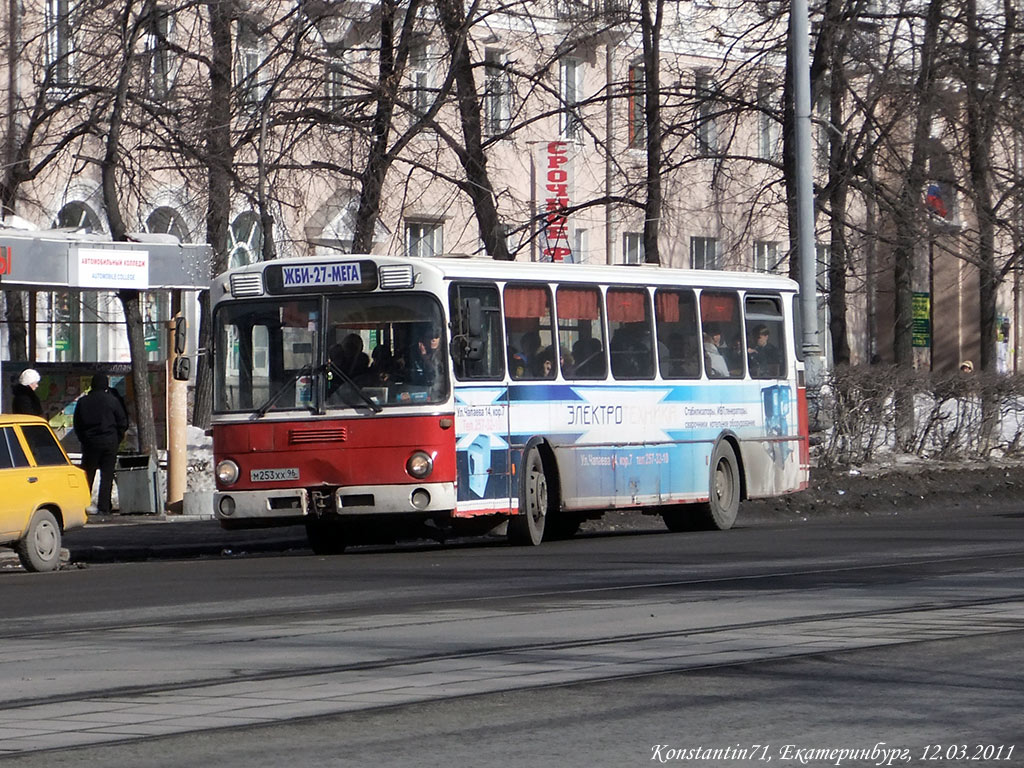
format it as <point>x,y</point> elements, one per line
<point>167,221</point>
<point>246,246</point>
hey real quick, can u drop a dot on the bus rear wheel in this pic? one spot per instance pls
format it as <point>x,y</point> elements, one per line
<point>326,537</point>
<point>724,489</point>
<point>527,528</point>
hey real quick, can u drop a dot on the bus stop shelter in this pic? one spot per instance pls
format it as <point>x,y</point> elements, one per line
<point>56,260</point>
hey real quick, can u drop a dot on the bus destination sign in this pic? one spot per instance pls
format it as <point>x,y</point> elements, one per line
<point>316,275</point>
<point>327,276</point>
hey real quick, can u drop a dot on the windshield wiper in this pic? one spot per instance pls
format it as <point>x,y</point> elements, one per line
<point>262,410</point>
<point>372,404</point>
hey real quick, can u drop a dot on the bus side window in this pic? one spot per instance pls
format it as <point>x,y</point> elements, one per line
<point>528,329</point>
<point>490,364</point>
<point>629,330</point>
<point>766,337</point>
<point>722,334</point>
<point>580,334</point>
<point>675,312</point>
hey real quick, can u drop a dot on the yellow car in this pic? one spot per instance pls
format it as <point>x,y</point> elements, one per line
<point>42,494</point>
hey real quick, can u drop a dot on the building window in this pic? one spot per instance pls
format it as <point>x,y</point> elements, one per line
<point>422,239</point>
<point>579,246</point>
<point>637,117</point>
<point>158,46</point>
<point>769,129</point>
<point>58,40</point>
<point>703,253</point>
<point>497,93</point>
<point>633,248</point>
<point>571,84</point>
<point>766,256</point>
<point>419,74</point>
<point>247,65</point>
<point>707,130</point>
<point>335,77</point>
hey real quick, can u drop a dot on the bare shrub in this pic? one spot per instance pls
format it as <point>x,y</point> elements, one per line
<point>956,416</point>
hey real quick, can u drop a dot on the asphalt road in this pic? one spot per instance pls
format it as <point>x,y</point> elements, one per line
<point>873,633</point>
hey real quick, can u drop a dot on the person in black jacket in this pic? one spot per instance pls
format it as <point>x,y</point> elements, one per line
<point>100,423</point>
<point>23,396</point>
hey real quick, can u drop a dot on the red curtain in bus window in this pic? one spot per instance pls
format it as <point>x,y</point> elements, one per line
<point>666,306</point>
<point>627,306</point>
<point>526,301</point>
<point>718,307</point>
<point>577,304</point>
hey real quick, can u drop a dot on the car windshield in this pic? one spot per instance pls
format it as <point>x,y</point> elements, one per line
<point>363,352</point>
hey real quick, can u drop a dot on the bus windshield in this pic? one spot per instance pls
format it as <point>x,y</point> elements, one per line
<point>346,352</point>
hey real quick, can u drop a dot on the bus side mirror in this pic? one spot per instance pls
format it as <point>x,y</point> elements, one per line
<point>181,369</point>
<point>471,322</point>
<point>472,318</point>
<point>180,335</point>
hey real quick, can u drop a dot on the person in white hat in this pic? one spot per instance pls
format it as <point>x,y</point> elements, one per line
<point>23,396</point>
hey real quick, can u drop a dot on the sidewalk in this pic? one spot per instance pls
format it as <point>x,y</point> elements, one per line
<point>123,538</point>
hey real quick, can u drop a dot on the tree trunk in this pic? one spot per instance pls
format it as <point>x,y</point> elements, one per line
<point>371,180</point>
<point>219,159</point>
<point>651,27</point>
<point>474,159</point>
<point>112,198</point>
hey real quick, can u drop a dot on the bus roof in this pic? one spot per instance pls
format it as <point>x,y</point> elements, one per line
<point>489,269</point>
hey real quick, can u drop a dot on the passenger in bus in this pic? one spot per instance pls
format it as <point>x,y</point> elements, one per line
<point>543,366</point>
<point>684,360</point>
<point>348,356</point>
<point>764,358</point>
<point>567,363</point>
<point>734,355</point>
<point>714,361</point>
<point>631,357</point>
<point>425,362</point>
<point>516,363</point>
<point>381,368</point>
<point>529,347</point>
<point>588,356</point>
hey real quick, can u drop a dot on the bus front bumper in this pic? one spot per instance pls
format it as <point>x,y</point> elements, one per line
<point>294,503</point>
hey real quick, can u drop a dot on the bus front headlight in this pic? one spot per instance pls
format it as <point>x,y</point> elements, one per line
<point>227,472</point>
<point>419,465</point>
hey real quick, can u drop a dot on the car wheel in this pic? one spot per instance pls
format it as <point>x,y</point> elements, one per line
<point>39,550</point>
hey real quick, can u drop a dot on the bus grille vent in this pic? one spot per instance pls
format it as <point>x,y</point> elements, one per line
<point>301,436</point>
<point>247,284</point>
<point>396,276</point>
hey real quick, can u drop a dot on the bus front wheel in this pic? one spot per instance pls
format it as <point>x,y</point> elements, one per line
<point>724,492</point>
<point>527,528</point>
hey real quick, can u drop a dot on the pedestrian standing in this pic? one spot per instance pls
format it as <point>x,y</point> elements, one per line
<point>100,423</point>
<point>23,396</point>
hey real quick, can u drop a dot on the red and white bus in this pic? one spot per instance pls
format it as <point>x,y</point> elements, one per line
<point>456,391</point>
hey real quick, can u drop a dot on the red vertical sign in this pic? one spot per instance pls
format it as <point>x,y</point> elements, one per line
<point>556,182</point>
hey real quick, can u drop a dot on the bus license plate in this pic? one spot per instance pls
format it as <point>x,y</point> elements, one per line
<point>273,475</point>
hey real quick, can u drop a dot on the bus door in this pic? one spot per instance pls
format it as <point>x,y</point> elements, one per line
<point>483,457</point>
<point>769,366</point>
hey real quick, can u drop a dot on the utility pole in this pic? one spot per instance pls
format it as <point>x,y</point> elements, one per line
<point>799,40</point>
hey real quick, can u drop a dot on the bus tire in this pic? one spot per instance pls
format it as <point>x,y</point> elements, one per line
<point>527,528</point>
<point>326,537</point>
<point>724,489</point>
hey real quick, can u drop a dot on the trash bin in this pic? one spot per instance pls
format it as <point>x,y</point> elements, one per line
<point>138,484</point>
